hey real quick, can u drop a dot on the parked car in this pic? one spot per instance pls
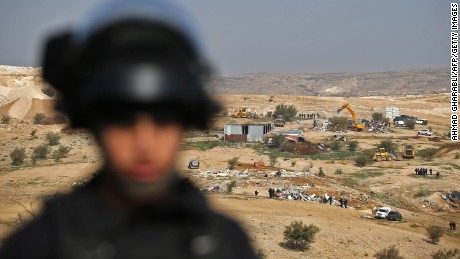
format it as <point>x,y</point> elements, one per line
<point>425,132</point>
<point>382,212</point>
<point>394,215</point>
<point>194,164</point>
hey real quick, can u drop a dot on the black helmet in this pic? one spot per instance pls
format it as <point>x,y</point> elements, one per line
<point>131,55</point>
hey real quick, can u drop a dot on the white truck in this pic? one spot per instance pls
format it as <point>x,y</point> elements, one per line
<point>382,213</point>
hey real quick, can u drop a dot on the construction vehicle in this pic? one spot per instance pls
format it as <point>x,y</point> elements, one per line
<point>279,121</point>
<point>409,152</point>
<point>382,154</point>
<point>240,113</point>
<point>356,126</point>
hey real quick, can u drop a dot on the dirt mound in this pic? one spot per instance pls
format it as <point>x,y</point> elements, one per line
<point>306,148</point>
<point>448,148</point>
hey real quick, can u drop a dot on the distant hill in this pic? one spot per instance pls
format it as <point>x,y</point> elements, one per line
<point>393,83</point>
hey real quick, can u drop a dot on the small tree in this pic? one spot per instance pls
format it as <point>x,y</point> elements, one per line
<point>338,171</point>
<point>321,172</point>
<point>298,236</point>
<point>278,140</point>
<point>293,163</point>
<point>446,254</point>
<point>352,146</point>
<point>6,119</point>
<point>53,138</point>
<point>39,118</point>
<point>288,111</point>
<point>361,160</point>
<point>273,159</point>
<point>434,233</point>
<point>377,116</point>
<point>232,163</point>
<point>391,252</point>
<point>388,144</point>
<point>230,186</point>
<point>17,156</point>
<point>40,152</point>
<point>61,152</point>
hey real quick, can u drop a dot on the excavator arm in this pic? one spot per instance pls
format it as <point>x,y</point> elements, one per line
<point>346,106</point>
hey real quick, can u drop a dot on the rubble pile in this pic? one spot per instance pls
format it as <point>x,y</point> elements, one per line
<point>246,174</point>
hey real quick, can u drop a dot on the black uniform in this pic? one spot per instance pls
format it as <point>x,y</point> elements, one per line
<point>82,225</point>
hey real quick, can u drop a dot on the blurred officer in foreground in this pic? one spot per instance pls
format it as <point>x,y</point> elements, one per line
<point>133,73</point>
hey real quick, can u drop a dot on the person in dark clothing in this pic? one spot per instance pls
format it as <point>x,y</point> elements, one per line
<point>345,202</point>
<point>330,200</point>
<point>416,171</point>
<point>256,193</point>
<point>451,225</point>
<point>134,74</point>
<point>341,202</point>
<point>437,175</point>
<point>454,225</point>
<point>431,171</point>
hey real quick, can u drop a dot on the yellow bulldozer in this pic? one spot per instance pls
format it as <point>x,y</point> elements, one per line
<point>381,155</point>
<point>356,126</point>
<point>409,152</point>
<point>240,113</point>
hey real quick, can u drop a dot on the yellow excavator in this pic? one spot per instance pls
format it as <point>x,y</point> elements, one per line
<point>240,113</point>
<point>355,125</point>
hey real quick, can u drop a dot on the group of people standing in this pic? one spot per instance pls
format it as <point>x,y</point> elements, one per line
<point>424,172</point>
<point>343,202</point>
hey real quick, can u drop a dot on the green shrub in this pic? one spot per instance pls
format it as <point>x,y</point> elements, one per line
<point>388,144</point>
<point>273,159</point>
<point>53,138</point>
<point>446,254</point>
<point>39,118</point>
<point>232,163</point>
<point>33,132</point>
<point>298,236</point>
<point>40,152</point>
<point>338,171</point>
<point>321,172</point>
<point>434,233</point>
<point>293,163</point>
<point>288,111</point>
<point>391,252</point>
<point>17,156</point>
<point>361,160</point>
<point>6,119</point>
<point>335,146</point>
<point>352,146</point>
<point>61,152</point>
<point>230,186</point>
<point>278,140</point>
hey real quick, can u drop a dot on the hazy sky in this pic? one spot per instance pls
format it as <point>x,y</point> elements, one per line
<point>246,36</point>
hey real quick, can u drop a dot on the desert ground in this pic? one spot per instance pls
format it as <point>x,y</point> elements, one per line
<point>344,233</point>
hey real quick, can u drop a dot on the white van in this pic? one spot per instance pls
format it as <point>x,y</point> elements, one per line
<point>382,212</point>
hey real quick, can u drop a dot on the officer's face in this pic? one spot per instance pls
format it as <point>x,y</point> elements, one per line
<point>142,150</point>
